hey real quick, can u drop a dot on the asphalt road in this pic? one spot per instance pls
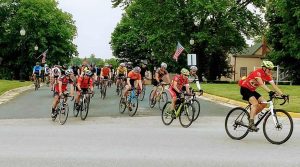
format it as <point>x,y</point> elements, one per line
<point>108,138</point>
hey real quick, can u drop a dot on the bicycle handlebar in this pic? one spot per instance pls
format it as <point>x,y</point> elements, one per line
<point>286,98</point>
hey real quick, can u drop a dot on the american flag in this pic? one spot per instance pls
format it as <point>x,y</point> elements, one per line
<point>179,49</point>
<point>44,57</point>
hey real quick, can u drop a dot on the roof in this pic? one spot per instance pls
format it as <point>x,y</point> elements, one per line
<point>250,51</point>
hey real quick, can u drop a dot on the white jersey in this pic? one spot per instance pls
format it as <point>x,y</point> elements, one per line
<point>58,72</point>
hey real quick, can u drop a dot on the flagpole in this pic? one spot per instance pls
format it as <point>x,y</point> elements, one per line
<point>41,54</point>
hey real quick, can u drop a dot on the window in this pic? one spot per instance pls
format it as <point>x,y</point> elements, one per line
<point>243,71</point>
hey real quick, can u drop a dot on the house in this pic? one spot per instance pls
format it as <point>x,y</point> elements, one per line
<point>246,61</point>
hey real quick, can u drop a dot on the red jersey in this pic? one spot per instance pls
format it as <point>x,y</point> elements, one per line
<point>85,82</point>
<point>65,81</point>
<point>181,81</point>
<point>251,83</point>
<point>105,71</point>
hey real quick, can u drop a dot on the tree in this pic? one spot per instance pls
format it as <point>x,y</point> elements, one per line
<point>283,35</point>
<point>216,26</point>
<point>46,26</point>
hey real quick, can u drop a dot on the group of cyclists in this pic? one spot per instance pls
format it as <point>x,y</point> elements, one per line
<point>82,80</point>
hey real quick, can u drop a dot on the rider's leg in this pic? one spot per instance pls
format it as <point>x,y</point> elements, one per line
<point>54,103</point>
<point>255,108</point>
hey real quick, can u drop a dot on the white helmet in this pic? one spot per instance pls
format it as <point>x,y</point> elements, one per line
<point>137,69</point>
<point>122,64</point>
<point>106,65</point>
<point>164,65</point>
<point>194,68</point>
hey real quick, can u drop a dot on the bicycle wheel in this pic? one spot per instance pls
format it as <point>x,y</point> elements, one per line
<point>133,106</point>
<point>280,132</point>
<point>236,123</point>
<point>75,111</point>
<point>196,105</point>
<point>186,116</point>
<point>122,105</point>
<point>104,92</point>
<point>63,114</point>
<point>84,112</point>
<point>166,114</point>
<point>35,85</point>
<point>121,90</point>
<point>162,100</point>
<point>142,94</point>
<point>152,102</point>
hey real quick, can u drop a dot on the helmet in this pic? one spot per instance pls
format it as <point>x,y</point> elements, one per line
<point>122,64</point>
<point>194,68</point>
<point>68,72</point>
<point>56,71</point>
<point>88,73</point>
<point>37,63</point>
<point>106,65</point>
<point>267,64</point>
<point>129,63</point>
<point>164,65</point>
<point>137,69</point>
<point>185,71</point>
<point>46,65</point>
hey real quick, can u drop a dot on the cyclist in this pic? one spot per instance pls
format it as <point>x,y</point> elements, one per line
<point>105,73</point>
<point>60,88</point>
<point>134,76</point>
<point>144,70</point>
<point>84,83</point>
<point>36,73</point>
<point>159,74</point>
<point>177,84</point>
<point>251,83</point>
<point>194,77</point>
<point>47,73</point>
<point>54,75</point>
<point>129,66</point>
<point>121,72</point>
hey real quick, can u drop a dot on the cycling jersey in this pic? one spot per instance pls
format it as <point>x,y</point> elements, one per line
<point>85,82</point>
<point>122,70</point>
<point>47,70</point>
<point>65,81</point>
<point>37,69</point>
<point>181,81</point>
<point>251,83</point>
<point>133,77</point>
<point>161,73</point>
<point>105,71</point>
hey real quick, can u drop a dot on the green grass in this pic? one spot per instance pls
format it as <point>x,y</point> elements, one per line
<point>6,85</point>
<point>232,91</point>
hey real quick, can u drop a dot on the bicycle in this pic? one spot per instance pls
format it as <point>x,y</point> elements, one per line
<point>142,94</point>
<point>192,99</point>
<point>36,83</point>
<point>83,105</point>
<point>131,102</point>
<point>62,109</point>
<point>277,120</point>
<point>159,96</point>
<point>184,110</point>
<point>121,86</point>
<point>103,89</point>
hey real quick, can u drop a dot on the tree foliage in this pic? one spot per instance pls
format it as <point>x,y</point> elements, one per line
<point>150,30</point>
<point>284,35</point>
<point>46,26</point>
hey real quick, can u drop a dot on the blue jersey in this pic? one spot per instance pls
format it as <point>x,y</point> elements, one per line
<point>37,69</point>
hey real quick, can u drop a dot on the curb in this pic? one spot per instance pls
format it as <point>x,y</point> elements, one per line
<point>237,103</point>
<point>9,95</point>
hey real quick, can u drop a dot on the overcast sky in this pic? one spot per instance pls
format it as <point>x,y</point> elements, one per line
<point>95,21</point>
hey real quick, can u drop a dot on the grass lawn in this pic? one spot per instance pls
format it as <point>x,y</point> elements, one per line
<point>232,91</point>
<point>6,85</point>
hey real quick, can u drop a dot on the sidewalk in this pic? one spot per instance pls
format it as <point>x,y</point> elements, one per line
<point>235,103</point>
<point>9,95</point>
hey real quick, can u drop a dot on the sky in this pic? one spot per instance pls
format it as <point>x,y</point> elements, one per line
<point>95,21</point>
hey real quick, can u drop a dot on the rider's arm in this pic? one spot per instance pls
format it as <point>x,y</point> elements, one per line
<point>261,84</point>
<point>79,83</point>
<point>109,74</point>
<point>156,77</point>
<point>91,84</point>
<point>276,88</point>
<point>128,82</point>
<point>71,89</point>
<point>140,84</point>
<point>33,70</point>
<point>175,86</point>
<point>168,78</point>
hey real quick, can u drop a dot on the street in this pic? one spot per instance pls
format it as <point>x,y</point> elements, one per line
<point>108,138</point>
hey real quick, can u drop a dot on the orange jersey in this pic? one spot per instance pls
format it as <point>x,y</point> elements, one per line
<point>134,76</point>
<point>105,71</point>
